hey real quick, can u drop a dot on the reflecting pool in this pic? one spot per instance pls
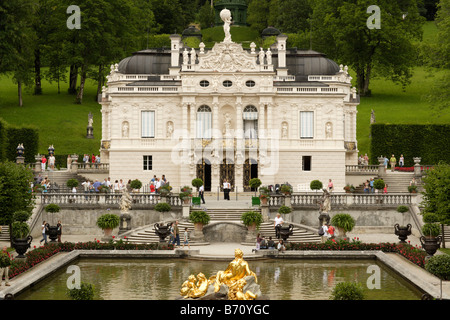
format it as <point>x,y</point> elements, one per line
<point>161,279</point>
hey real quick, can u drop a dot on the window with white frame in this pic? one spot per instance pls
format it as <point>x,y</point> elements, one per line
<point>204,120</point>
<point>148,163</point>
<point>148,124</point>
<point>250,116</point>
<point>306,124</point>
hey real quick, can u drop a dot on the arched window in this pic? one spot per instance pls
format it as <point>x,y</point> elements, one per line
<point>204,119</point>
<point>250,117</point>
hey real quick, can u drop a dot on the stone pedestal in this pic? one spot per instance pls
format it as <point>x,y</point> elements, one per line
<point>37,164</point>
<point>287,200</point>
<point>186,208</point>
<point>125,223</point>
<point>90,132</point>
<point>20,160</point>
<point>265,212</point>
<point>417,170</point>
<point>381,172</point>
<point>197,235</point>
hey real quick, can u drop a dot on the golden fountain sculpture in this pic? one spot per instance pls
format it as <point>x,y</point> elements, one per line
<point>233,277</point>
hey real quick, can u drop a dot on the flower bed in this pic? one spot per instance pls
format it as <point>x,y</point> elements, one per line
<point>38,255</point>
<point>413,254</point>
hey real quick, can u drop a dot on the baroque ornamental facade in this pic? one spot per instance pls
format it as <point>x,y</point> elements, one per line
<point>282,115</point>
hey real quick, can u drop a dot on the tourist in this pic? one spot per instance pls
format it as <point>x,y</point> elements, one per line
<point>5,270</point>
<point>372,189</point>
<point>86,160</point>
<point>59,230</point>
<point>325,233</point>
<point>69,162</point>
<point>152,188</point>
<point>201,192</point>
<point>386,161</point>
<point>258,241</point>
<point>278,223</point>
<point>171,237</point>
<point>393,162</point>
<point>176,234</point>
<point>366,186</point>
<point>281,247</point>
<point>86,185</point>
<point>412,182</point>
<point>44,232</point>
<point>330,185</point>
<point>271,243</point>
<point>330,231</point>
<point>116,187</point>
<point>385,188</point>
<point>401,161</point>
<point>93,159</point>
<point>153,179</point>
<point>186,238</point>
<point>121,185</point>
<point>366,160</point>
<point>157,185</point>
<point>43,163</point>
<point>96,185</point>
<point>51,162</point>
<point>226,189</point>
<point>263,244</point>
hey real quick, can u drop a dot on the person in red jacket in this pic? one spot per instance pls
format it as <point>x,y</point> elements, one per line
<point>5,270</point>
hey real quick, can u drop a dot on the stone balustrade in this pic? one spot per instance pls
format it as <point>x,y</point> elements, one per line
<point>361,169</point>
<point>107,199</point>
<point>92,167</point>
<point>344,199</point>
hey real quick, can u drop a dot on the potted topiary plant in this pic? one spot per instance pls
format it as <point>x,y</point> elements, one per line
<point>349,188</point>
<point>254,183</point>
<point>21,240</point>
<point>431,240</point>
<point>264,194</point>
<point>107,222</point>
<point>412,188</point>
<point>136,185</point>
<point>252,220</point>
<point>402,209</point>
<point>315,185</point>
<point>165,190</point>
<point>197,183</point>
<point>186,194</point>
<point>284,210</point>
<point>286,189</point>
<point>344,223</point>
<point>163,207</point>
<point>72,183</point>
<point>199,219</point>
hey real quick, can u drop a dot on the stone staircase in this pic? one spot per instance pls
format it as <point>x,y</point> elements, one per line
<point>398,182</point>
<point>4,235</point>
<point>147,234</point>
<point>59,179</point>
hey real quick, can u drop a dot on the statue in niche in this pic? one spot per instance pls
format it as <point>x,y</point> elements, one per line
<point>225,15</point>
<point>169,129</point>
<point>227,127</point>
<point>125,129</point>
<point>328,130</point>
<point>284,130</point>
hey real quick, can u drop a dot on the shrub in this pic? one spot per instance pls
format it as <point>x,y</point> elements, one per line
<point>72,183</point>
<point>163,207</point>
<point>52,208</point>
<point>430,217</point>
<point>378,184</point>
<point>439,265</point>
<point>136,184</point>
<point>431,229</point>
<point>284,209</point>
<point>197,182</point>
<point>347,291</point>
<point>21,216</point>
<point>286,189</point>
<point>86,292</point>
<point>254,183</point>
<point>199,217</point>
<point>20,230</point>
<point>402,209</point>
<point>412,188</point>
<point>108,221</point>
<point>344,221</point>
<point>316,185</point>
<point>5,261</point>
<point>252,217</point>
<point>186,192</point>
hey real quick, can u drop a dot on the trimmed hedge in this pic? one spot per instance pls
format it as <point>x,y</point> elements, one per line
<point>427,141</point>
<point>29,136</point>
<point>3,139</point>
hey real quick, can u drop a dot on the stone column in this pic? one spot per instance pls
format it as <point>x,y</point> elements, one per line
<point>381,172</point>
<point>74,168</point>
<point>37,164</point>
<point>265,212</point>
<point>186,207</point>
<point>417,170</point>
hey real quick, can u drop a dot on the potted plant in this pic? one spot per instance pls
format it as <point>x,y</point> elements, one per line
<point>402,209</point>
<point>378,184</point>
<point>136,184</point>
<point>186,194</point>
<point>264,194</point>
<point>315,185</point>
<point>199,219</point>
<point>402,232</point>
<point>431,240</point>
<point>107,222</point>
<point>21,240</point>
<point>52,230</point>
<point>197,183</point>
<point>344,223</point>
<point>349,188</point>
<point>252,220</point>
<point>254,183</point>
<point>163,207</point>
<point>286,189</point>
<point>165,190</point>
<point>284,210</point>
<point>412,188</point>
<point>72,183</point>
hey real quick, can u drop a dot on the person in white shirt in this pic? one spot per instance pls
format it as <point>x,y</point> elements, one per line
<point>278,222</point>
<point>226,190</point>
<point>325,233</point>
<point>201,192</point>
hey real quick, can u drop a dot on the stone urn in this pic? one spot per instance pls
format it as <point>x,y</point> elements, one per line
<point>430,244</point>
<point>285,232</point>
<point>402,232</point>
<point>162,231</point>
<point>107,234</point>
<point>52,233</point>
<point>22,245</point>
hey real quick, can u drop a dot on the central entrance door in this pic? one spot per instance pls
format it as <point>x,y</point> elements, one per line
<point>204,173</point>
<point>227,172</point>
<point>250,172</point>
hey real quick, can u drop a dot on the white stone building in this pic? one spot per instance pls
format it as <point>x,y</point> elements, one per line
<point>282,115</point>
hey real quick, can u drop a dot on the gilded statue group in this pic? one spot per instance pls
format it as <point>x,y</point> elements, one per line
<point>234,278</point>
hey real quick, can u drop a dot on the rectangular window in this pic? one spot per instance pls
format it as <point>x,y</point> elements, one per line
<point>148,165</point>
<point>306,124</point>
<point>306,163</point>
<point>204,125</point>
<point>148,124</point>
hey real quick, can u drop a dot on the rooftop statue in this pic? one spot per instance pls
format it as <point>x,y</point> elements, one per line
<point>225,15</point>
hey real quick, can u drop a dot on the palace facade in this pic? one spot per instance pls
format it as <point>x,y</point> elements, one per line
<point>282,115</point>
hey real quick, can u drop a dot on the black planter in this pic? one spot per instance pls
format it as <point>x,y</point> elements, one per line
<point>52,233</point>
<point>162,231</point>
<point>430,244</point>
<point>22,245</point>
<point>402,232</point>
<point>284,232</point>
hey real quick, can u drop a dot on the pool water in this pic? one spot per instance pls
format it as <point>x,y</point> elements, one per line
<point>161,279</point>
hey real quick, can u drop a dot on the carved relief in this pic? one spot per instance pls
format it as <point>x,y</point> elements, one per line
<point>227,57</point>
<point>125,129</point>
<point>284,130</point>
<point>329,130</point>
<point>169,130</point>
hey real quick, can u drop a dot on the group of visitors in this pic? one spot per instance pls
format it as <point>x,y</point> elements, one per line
<point>156,183</point>
<point>51,162</point>
<point>91,159</point>
<point>363,160</point>
<point>43,183</point>
<point>175,235</point>
<point>369,187</point>
<point>392,161</point>
<point>327,232</point>
<point>45,227</point>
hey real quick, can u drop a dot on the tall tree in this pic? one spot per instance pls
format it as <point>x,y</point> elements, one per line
<point>340,29</point>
